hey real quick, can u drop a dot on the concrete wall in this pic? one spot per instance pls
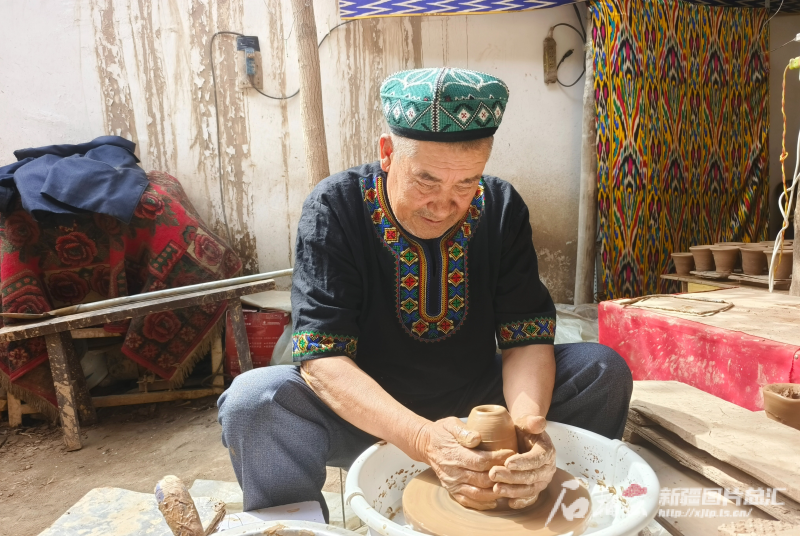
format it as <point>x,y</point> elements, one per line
<point>782,29</point>
<point>73,70</point>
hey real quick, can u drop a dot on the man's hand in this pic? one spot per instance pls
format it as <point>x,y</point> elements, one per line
<point>447,447</point>
<point>523,476</point>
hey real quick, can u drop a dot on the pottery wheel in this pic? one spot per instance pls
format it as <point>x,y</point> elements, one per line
<point>430,509</point>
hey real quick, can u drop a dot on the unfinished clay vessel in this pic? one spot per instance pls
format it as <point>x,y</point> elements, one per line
<point>496,427</point>
<point>784,260</point>
<point>782,403</point>
<point>725,257</point>
<point>754,262</point>
<point>703,259</point>
<point>684,263</point>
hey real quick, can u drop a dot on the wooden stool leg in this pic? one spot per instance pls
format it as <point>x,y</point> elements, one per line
<point>14,411</point>
<point>217,356</point>
<point>62,378</point>
<point>86,411</point>
<point>240,334</point>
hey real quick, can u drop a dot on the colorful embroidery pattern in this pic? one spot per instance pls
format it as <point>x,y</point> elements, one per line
<point>681,96</point>
<point>309,343</point>
<point>525,331</point>
<point>411,268</point>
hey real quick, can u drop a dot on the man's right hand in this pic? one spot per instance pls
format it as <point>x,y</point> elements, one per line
<point>448,448</point>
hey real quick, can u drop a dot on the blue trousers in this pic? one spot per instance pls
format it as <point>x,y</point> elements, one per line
<point>281,436</point>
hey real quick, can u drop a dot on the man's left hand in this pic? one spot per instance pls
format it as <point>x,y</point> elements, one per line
<point>525,475</point>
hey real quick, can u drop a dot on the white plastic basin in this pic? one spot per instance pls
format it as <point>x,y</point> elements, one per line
<point>375,483</point>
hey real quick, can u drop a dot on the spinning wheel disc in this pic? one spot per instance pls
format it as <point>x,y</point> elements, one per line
<point>430,509</point>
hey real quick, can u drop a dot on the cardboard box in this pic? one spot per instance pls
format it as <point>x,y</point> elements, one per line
<point>263,328</point>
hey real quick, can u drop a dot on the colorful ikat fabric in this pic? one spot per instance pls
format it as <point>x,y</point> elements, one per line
<point>681,93</point>
<point>362,9</point>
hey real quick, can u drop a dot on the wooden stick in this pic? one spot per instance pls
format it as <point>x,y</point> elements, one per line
<point>93,333</point>
<point>587,207</point>
<point>14,411</point>
<point>65,394</point>
<point>240,334</point>
<point>150,398</point>
<point>317,166</point>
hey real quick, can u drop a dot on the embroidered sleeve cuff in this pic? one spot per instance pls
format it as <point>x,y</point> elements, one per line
<point>538,330</point>
<point>314,344</point>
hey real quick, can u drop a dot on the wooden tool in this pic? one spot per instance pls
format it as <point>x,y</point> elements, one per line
<point>177,507</point>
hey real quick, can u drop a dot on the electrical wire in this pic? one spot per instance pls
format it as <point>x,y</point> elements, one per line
<point>766,23</point>
<point>787,192</point>
<point>783,45</point>
<point>569,52</point>
<point>580,20</point>
<point>216,109</point>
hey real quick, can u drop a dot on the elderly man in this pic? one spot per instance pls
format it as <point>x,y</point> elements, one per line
<point>411,272</point>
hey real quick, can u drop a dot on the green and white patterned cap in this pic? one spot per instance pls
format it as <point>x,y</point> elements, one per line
<point>443,104</point>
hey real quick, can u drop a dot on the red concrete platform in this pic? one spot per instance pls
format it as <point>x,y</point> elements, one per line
<point>730,354</point>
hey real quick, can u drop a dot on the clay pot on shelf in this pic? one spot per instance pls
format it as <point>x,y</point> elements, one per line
<point>703,259</point>
<point>754,262</point>
<point>782,403</point>
<point>784,268</point>
<point>684,262</point>
<point>725,257</point>
<point>496,427</point>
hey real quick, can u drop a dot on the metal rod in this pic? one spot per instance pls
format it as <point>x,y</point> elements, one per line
<point>166,293</point>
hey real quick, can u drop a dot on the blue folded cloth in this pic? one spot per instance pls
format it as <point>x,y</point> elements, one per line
<point>99,176</point>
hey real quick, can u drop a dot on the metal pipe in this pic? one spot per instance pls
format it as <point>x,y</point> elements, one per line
<point>166,293</point>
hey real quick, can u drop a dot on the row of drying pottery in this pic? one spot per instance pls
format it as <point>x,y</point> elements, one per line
<point>752,258</point>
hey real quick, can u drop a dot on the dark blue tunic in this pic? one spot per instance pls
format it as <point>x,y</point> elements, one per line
<point>421,317</point>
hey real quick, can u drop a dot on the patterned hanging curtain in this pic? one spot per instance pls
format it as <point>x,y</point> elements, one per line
<point>362,9</point>
<point>682,104</point>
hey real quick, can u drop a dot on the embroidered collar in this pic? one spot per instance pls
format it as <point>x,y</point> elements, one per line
<point>412,267</point>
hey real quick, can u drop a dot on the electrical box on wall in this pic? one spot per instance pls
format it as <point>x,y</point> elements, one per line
<point>248,55</point>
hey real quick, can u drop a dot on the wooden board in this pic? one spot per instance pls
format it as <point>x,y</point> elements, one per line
<point>749,441</point>
<point>151,398</point>
<point>674,476</point>
<point>718,276</point>
<point>702,462</point>
<point>768,315</point>
<point>38,328</point>
<point>119,512</point>
<point>763,280</point>
<point>698,280</point>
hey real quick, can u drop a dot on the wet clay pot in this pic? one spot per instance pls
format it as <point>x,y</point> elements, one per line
<point>725,257</point>
<point>754,262</point>
<point>684,263</point>
<point>782,403</point>
<point>496,427</point>
<point>497,430</point>
<point>703,259</point>
<point>784,269</point>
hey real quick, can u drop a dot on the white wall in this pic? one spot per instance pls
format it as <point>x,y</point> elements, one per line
<point>74,70</point>
<point>782,29</point>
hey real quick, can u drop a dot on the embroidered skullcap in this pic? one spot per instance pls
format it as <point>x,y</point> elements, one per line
<point>443,104</point>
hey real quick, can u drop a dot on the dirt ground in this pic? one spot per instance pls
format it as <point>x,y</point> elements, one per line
<point>131,447</point>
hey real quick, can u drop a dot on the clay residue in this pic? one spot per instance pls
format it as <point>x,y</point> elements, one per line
<point>118,116</point>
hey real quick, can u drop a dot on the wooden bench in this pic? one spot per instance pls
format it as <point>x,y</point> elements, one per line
<point>75,404</point>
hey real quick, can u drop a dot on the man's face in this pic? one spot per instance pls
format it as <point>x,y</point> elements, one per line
<point>431,190</point>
